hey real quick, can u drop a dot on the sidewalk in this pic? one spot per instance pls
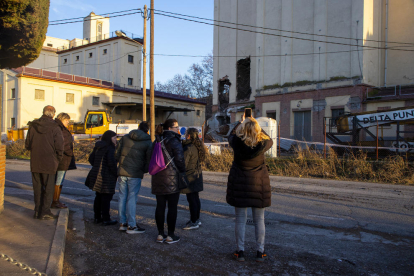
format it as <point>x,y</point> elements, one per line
<point>39,244</point>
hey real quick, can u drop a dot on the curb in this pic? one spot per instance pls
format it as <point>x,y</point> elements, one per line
<point>57,251</point>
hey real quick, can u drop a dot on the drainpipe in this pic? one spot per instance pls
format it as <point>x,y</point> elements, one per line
<point>386,43</point>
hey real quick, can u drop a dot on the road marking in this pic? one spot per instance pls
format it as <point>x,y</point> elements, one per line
<point>325,217</point>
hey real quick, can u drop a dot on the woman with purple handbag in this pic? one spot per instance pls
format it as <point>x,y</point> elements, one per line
<point>165,182</point>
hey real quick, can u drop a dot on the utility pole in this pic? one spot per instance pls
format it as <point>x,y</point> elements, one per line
<point>152,105</point>
<point>144,68</point>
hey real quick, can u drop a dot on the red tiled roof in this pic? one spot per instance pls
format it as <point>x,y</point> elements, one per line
<point>81,80</point>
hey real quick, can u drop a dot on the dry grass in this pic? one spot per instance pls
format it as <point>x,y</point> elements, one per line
<point>81,150</point>
<point>306,163</point>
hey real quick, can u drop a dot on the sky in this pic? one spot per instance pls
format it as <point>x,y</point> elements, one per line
<point>171,36</point>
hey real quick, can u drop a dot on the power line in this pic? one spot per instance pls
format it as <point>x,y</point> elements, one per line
<point>63,23</point>
<point>82,17</point>
<point>278,35</point>
<point>280,30</point>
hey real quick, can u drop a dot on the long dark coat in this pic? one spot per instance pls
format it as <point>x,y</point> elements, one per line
<point>102,177</point>
<point>193,168</point>
<point>68,159</point>
<point>166,181</point>
<point>45,142</point>
<point>248,182</point>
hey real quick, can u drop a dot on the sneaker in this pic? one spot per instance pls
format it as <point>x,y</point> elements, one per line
<point>123,227</point>
<point>161,238</point>
<point>191,225</point>
<point>135,230</point>
<point>260,257</point>
<point>239,256</point>
<point>172,239</point>
<point>197,221</point>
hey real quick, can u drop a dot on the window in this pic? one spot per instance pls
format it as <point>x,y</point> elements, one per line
<point>198,112</point>
<point>185,113</point>
<point>12,122</point>
<point>39,94</point>
<point>118,110</point>
<point>70,98</point>
<point>90,55</point>
<point>13,93</point>
<point>336,113</point>
<point>65,61</point>
<point>130,81</point>
<point>94,120</point>
<point>77,58</point>
<point>156,113</point>
<point>105,51</point>
<point>130,59</point>
<point>271,114</point>
<point>95,101</point>
<point>49,45</point>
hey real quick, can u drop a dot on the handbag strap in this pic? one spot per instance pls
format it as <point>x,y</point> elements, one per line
<point>170,160</point>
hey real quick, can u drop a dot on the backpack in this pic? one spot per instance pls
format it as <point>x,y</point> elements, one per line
<point>157,162</point>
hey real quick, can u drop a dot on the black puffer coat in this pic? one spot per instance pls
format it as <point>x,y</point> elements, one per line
<point>133,153</point>
<point>45,142</point>
<point>248,183</point>
<point>193,168</point>
<point>166,181</point>
<point>68,160</point>
<point>102,177</point>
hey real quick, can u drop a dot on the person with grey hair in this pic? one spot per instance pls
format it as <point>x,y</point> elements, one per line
<point>68,160</point>
<point>44,140</point>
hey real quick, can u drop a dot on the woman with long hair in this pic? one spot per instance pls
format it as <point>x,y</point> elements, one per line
<point>248,184</point>
<point>102,177</point>
<point>68,159</point>
<point>194,154</point>
<point>164,184</point>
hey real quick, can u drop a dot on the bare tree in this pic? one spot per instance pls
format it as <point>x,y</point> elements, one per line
<point>197,83</point>
<point>200,78</point>
<point>177,85</point>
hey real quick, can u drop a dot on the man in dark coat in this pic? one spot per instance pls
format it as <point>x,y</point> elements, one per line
<point>45,142</point>
<point>133,153</point>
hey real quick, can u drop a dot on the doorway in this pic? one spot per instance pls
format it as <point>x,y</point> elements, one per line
<point>302,125</point>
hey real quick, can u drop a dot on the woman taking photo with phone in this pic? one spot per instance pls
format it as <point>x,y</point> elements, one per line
<point>248,184</point>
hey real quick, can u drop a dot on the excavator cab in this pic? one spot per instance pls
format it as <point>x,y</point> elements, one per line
<point>96,122</point>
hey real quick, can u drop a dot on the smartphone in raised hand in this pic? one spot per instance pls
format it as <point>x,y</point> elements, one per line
<point>247,112</point>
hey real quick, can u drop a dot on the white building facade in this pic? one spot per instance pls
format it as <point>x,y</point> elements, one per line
<point>298,61</point>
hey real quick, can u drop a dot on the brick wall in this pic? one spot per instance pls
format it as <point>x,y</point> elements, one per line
<point>2,175</point>
<point>317,116</point>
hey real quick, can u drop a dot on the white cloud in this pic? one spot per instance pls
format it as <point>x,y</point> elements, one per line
<point>73,4</point>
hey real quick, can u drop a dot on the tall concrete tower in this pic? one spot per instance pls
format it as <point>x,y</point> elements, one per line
<point>95,27</point>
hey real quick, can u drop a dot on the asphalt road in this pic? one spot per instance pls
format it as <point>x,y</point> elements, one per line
<point>313,226</point>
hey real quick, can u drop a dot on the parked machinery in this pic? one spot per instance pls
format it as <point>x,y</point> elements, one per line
<point>350,129</point>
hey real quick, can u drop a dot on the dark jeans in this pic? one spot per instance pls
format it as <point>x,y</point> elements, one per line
<point>195,206</point>
<point>43,190</point>
<point>162,200</point>
<point>102,205</point>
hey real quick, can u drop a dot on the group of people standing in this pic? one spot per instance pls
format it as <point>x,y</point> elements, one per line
<point>133,154</point>
<point>125,162</point>
<point>51,154</point>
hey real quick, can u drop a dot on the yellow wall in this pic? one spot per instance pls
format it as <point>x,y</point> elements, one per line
<point>55,94</point>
